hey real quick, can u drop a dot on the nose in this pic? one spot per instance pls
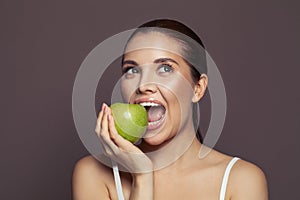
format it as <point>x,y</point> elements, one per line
<point>146,84</point>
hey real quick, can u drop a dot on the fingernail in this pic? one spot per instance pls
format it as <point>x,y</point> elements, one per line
<point>102,108</point>
<point>109,117</point>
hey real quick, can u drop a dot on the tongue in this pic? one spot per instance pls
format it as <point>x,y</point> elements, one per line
<point>155,113</point>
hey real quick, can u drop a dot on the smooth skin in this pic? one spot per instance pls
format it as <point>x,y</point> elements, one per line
<point>189,177</point>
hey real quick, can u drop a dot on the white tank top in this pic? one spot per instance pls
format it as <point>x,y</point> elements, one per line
<point>226,176</point>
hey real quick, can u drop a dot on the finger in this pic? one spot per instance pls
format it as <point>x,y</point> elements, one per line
<point>105,132</point>
<point>110,149</point>
<point>103,126</point>
<point>105,147</point>
<point>99,119</point>
<point>111,126</point>
<point>104,123</point>
<point>108,146</point>
<point>98,123</point>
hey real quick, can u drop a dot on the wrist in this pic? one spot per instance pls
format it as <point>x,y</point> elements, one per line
<point>142,177</point>
<point>143,180</point>
<point>142,186</point>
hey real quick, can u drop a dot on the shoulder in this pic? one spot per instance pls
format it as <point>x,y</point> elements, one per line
<point>89,166</point>
<point>247,181</point>
<point>89,162</point>
<point>90,179</point>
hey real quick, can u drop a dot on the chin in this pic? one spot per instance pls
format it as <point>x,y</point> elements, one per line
<point>156,139</point>
<point>152,141</point>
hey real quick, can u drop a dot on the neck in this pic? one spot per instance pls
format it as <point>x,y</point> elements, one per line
<point>179,150</point>
<point>189,156</point>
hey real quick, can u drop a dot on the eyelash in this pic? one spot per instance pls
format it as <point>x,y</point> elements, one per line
<point>170,67</point>
<point>126,69</point>
<point>161,66</point>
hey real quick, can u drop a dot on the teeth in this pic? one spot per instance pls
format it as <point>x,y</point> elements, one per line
<point>153,123</point>
<point>149,104</point>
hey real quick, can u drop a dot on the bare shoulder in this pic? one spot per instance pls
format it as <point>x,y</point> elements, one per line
<point>90,179</point>
<point>247,181</point>
<point>91,166</point>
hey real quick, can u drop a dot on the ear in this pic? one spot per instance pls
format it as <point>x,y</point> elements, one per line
<point>199,88</point>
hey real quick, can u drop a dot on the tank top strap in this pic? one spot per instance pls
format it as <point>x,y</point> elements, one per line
<point>226,176</point>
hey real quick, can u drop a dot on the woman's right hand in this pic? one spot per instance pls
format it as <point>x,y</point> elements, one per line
<point>118,148</point>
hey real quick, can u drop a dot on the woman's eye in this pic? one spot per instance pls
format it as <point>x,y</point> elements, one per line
<point>131,70</point>
<point>164,68</point>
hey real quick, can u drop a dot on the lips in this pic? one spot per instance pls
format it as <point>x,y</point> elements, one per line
<point>156,112</point>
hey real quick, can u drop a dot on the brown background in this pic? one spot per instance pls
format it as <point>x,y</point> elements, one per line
<point>255,44</point>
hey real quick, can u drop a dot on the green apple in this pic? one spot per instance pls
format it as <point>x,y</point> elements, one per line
<point>131,120</point>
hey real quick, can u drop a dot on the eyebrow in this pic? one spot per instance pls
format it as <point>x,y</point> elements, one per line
<point>129,62</point>
<point>159,60</point>
<point>162,60</point>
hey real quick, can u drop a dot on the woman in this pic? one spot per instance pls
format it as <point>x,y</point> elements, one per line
<point>164,69</point>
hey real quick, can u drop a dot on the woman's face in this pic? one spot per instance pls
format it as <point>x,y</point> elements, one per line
<point>156,76</point>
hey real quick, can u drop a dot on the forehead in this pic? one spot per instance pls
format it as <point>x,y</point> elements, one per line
<point>150,55</point>
<point>155,41</point>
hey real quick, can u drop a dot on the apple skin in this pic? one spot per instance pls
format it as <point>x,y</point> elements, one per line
<point>131,120</point>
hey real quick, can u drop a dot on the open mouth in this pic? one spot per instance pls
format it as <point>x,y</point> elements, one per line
<point>156,114</point>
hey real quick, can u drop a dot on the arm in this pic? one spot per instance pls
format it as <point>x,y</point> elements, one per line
<point>127,154</point>
<point>248,182</point>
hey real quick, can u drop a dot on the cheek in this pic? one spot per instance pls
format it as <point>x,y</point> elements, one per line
<point>181,93</point>
<point>181,89</point>
<point>128,87</point>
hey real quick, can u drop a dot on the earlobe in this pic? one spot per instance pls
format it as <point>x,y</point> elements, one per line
<point>196,97</point>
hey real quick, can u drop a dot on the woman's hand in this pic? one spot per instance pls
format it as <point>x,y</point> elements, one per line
<point>118,148</point>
